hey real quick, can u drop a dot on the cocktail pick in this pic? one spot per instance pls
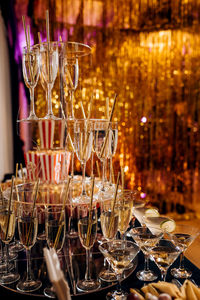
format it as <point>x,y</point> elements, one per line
<point>90,215</point>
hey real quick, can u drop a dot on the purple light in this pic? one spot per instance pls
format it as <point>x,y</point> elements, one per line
<point>143,119</point>
<point>143,195</point>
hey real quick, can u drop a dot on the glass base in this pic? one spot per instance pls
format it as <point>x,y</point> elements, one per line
<point>72,235</point>
<point>32,117</point>
<point>3,267</point>
<point>9,278</point>
<point>16,247</point>
<point>51,117</point>
<point>116,295</point>
<point>107,275</point>
<point>181,273</point>
<point>49,292</point>
<point>88,285</point>
<point>12,255</point>
<point>29,286</point>
<point>41,236</point>
<point>146,275</point>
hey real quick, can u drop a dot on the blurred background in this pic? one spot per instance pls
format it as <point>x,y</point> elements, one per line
<point>146,51</point>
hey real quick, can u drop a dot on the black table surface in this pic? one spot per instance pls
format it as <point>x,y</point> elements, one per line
<point>130,282</point>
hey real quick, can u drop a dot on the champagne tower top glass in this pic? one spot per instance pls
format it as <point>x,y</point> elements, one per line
<point>71,53</point>
<point>49,70</point>
<point>31,71</point>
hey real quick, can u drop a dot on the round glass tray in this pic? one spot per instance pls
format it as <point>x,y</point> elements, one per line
<point>72,260</point>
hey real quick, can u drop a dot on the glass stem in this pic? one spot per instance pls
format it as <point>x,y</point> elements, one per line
<point>182,266</point>
<point>103,175</point>
<point>32,106</point>
<point>110,175</point>
<point>7,258</point>
<point>83,165</point>
<point>28,257</point>
<point>92,162</point>
<point>163,275</point>
<point>71,110</point>
<point>146,263</point>
<point>87,273</point>
<point>49,102</point>
<point>119,287</point>
<point>72,164</point>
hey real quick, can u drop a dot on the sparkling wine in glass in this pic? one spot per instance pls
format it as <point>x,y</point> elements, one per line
<point>146,240</point>
<point>113,148</point>
<point>31,71</point>
<point>164,254</point>
<point>28,227</point>
<point>182,237</point>
<point>124,208</point>
<point>49,69</point>
<point>102,144</point>
<point>109,226</point>
<point>87,231</point>
<point>55,232</point>
<point>83,137</point>
<point>7,230</point>
<point>119,253</point>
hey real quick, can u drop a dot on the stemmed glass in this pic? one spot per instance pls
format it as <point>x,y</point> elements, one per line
<point>182,237</point>
<point>83,136</point>
<point>28,228</point>
<point>31,71</point>
<point>164,254</point>
<point>119,253</point>
<point>87,231</point>
<point>49,69</point>
<point>71,53</point>
<point>109,226</point>
<point>102,144</point>
<point>113,148</point>
<point>146,240</point>
<point>124,209</point>
<point>55,233</point>
<point>7,230</point>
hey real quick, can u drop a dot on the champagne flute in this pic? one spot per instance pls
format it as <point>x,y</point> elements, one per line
<point>146,240</point>
<point>164,254</point>
<point>109,226</point>
<point>182,237</point>
<point>55,233</point>
<point>7,230</point>
<point>83,136</point>
<point>49,69</point>
<point>31,71</point>
<point>71,53</point>
<point>113,148</point>
<point>102,144</point>
<point>119,253</point>
<point>124,208</point>
<point>28,227</point>
<point>87,230</point>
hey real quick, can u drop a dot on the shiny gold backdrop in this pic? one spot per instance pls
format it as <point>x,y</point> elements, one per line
<point>148,52</point>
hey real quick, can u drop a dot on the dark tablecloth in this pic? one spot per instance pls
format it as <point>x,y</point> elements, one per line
<point>131,281</point>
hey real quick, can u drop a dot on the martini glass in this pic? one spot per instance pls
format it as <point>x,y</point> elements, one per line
<point>146,240</point>
<point>164,254</point>
<point>182,237</point>
<point>119,253</point>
